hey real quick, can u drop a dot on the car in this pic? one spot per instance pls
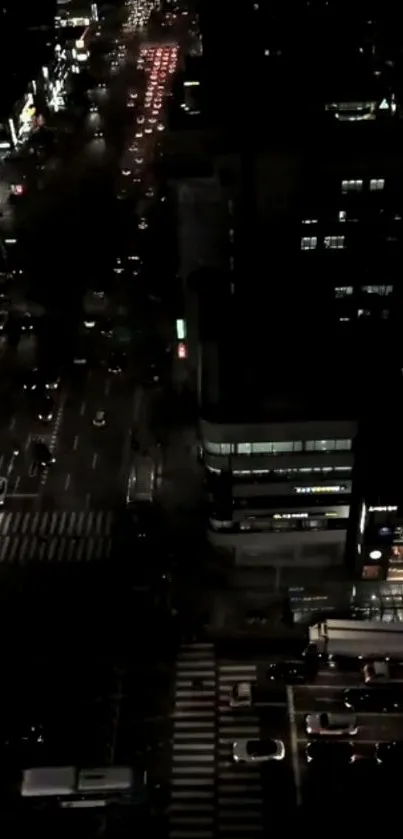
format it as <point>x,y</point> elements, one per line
<point>3,320</point>
<point>374,699</point>
<point>98,133</point>
<point>258,751</point>
<point>241,695</point>
<point>15,448</point>
<point>42,454</point>
<point>99,419</point>
<point>32,381</point>
<point>290,672</point>
<point>106,328</point>
<point>143,224</point>
<point>332,724</point>
<point>51,380</point>
<point>93,108</point>
<point>26,322</point>
<point>333,754</point>
<point>45,410</point>
<point>3,490</point>
<point>116,363</point>
<point>80,360</point>
<point>390,754</point>
<point>375,671</point>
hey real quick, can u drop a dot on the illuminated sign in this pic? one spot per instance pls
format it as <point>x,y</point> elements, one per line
<point>181,330</point>
<point>385,509</point>
<point>290,515</point>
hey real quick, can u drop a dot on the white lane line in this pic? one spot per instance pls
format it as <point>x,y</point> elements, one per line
<point>75,444</point>
<point>94,460</point>
<point>67,481</point>
<point>107,388</point>
<point>294,744</point>
<point>12,424</point>
<point>17,482</point>
<point>82,409</point>
<point>28,443</point>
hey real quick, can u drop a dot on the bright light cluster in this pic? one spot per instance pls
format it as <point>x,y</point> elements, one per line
<point>159,63</point>
<point>139,14</point>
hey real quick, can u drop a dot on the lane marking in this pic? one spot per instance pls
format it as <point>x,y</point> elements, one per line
<point>107,388</point>
<point>82,409</point>
<point>12,424</point>
<point>54,436</point>
<point>75,444</point>
<point>67,481</point>
<point>94,460</point>
<point>294,744</point>
<point>28,442</point>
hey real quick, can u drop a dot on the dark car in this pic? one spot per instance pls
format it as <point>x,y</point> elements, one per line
<point>373,699</point>
<point>32,381</point>
<point>45,409</point>
<point>321,752</point>
<point>390,754</point>
<point>290,672</point>
<point>117,363</point>
<point>42,454</point>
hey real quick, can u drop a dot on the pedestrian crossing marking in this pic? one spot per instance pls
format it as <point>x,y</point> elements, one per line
<point>58,536</point>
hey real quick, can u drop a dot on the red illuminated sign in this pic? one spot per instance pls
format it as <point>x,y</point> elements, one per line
<point>182,351</point>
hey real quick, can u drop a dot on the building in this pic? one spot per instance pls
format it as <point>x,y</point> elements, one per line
<point>279,433</point>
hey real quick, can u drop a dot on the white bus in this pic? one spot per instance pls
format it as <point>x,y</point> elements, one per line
<point>72,788</point>
<point>141,484</point>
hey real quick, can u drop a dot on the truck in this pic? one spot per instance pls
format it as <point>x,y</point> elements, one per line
<point>370,640</point>
<point>141,483</point>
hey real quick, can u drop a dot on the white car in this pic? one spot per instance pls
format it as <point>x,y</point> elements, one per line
<point>331,725</point>
<point>241,695</point>
<point>3,490</point>
<point>100,419</point>
<point>258,751</point>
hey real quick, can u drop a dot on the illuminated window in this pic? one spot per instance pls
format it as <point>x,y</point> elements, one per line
<point>309,221</point>
<point>381,290</point>
<point>283,447</point>
<point>219,448</point>
<point>351,186</point>
<point>376,184</point>
<point>343,290</point>
<point>334,242</point>
<point>342,215</point>
<point>327,445</point>
<point>309,243</point>
<point>318,490</point>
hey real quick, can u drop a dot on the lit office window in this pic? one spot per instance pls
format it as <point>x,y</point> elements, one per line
<point>381,290</point>
<point>352,186</point>
<point>327,445</point>
<point>343,291</point>
<point>376,184</point>
<point>334,242</point>
<point>309,243</point>
<point>318,490</point>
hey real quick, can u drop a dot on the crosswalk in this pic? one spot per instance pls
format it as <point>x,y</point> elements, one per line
<point>192,806</point>
<point>239,789</point>
<point>60,536</point>
<point>212,797</point>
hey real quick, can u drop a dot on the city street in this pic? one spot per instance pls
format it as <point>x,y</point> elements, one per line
<point>213,796</point>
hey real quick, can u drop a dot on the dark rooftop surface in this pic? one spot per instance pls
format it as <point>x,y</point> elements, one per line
<point>262,368</point>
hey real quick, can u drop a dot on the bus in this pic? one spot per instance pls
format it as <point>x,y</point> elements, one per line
<point>72,788</point>
<point>142,478</point>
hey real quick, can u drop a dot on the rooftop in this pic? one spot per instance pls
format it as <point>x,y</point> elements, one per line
<point>266,369</point>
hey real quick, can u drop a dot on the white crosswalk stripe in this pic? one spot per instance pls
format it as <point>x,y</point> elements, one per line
<point>60,536</point>
<point>192,807</point>
<point>239,788</point>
